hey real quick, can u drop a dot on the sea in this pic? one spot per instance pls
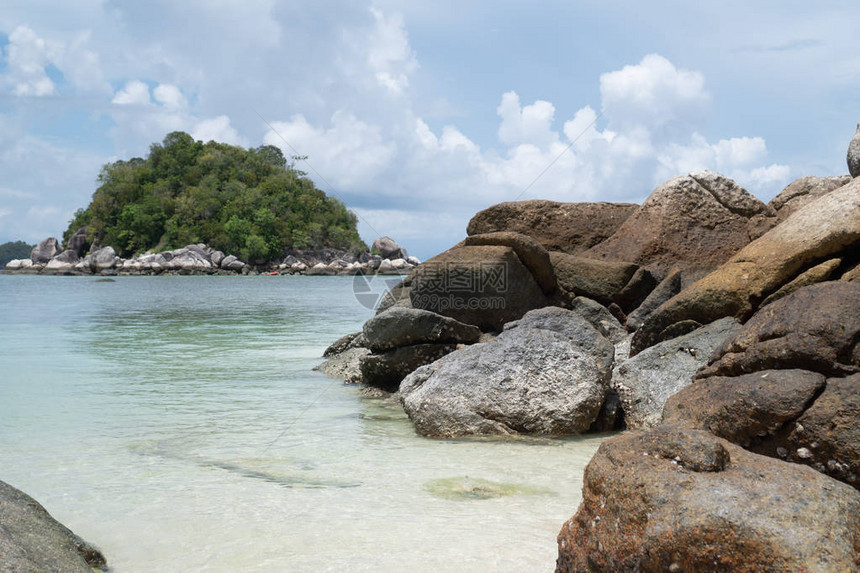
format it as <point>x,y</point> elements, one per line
<point>177,424</point>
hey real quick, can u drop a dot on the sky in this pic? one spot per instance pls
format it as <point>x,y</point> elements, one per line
<point>417,115</point>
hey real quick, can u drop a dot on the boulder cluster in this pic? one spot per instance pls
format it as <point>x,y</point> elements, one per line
<point>81,258</point>
<point>720,332</point>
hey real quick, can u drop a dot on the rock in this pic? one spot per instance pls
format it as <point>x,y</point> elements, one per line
<point>231,263</point>
<point>345,365</point>
<point>567,227</point>
<point>45,251</point>
<point>57,266</point>
<point>634,292</point>
<point>79,243</point>
<point>814,275</point>
<point>851,275</point>
<point>804,190</point>
<point>398,296</point>
<point>646,381</point>
<point>668,287</point>
<point>695,221</point>
<point>599,317</point>
<point>398,327</point>
<point>765,388</point>
<point>816,328</point>
<point>854,154</point>
<point>547,373</point>
<point>414,261</point>
<point>67,256</point>
<point>103,259</point>
<point>676,499</point>
<point>386,370</point>
<point>751,410</point>
<point>33,541</point>
<point>356,339</point>
<point>216,258</point>
<point>822,229</point>
<point>385,265</point>
<point>531,254</point>
<point>486,286</point>
<point>15,264</point>
<point>598,280</point>
<point>388,248</point>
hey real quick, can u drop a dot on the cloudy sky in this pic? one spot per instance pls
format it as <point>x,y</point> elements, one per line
<point>417,115</point>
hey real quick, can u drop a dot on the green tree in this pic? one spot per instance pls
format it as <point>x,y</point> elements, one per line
<point>243,201</point>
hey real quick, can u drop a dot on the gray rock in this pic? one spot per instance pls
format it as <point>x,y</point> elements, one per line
<point>68,256</point>
<point>31,541</point>
<point>231,263</point>
<point>56,266</point>
<point>45,251</point>
<point>79,243</point>
<point>344,365</point>
<point>406,326</point>
<point>103,259</point>
<point>805,190</point>
<point>647,380</point>
<point>668,287</point>
<point>344,343</point>
<point>389,249</point>
<point>216,258</point>
<point>854,154</point>
<point>388,369</point>
<point>599,317</point>
<point>548,373</point>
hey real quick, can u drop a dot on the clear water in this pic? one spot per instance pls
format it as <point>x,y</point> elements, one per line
<point>175,422</point>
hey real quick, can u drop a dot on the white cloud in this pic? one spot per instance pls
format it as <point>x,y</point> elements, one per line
<point>135,92</point>
<point>169,96</point>
<point>653,94</point>
<point>348,153</point>
<point>529,124</point>
<point>389,55</point>
<point>217,129</point>
<point>27,57</point>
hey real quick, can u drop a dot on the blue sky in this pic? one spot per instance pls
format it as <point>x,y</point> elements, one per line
<point>419,114</point>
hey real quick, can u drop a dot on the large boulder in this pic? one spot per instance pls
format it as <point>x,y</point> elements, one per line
<point>79,243</point>
<point>788,383</point>
<point>854,154</point>
<point>547,373</point>
<point>804,190</point>
<point>695,221</point>
<point>567,227</point>
<point>677,499</point>
<point>31,541</point>
<point>822,229</point>
<point>603,281</point>
<point>102,259</point>
<point>385,370</point>
<point>388,248</point>
<point>45,251</point>
<point>647,380</point>
<point>816,328</point>
<point>399,326</point>
<point>530,252</point>
<point>486,286</point>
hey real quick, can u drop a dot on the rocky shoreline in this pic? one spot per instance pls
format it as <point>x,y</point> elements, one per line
<point>719,332</point>
<point>50,258</point>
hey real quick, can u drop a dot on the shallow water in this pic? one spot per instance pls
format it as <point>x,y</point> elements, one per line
<point>175,423</point>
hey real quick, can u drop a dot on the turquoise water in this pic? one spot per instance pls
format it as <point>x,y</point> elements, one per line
<point>175,422</point>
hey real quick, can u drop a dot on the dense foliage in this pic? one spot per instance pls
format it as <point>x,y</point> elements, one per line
<point>244,202</point>
<point>14,250</point>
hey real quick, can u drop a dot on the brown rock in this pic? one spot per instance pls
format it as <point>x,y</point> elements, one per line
<point>822,229</point>
<point>804,190</point>
<point>816,328</point>
<point>486,286</point>
<point>531,254</point>
<point>814,275</point>
<point>598,280</point>
<point>696,222</point>
<point>668,287</point>
<point>751,410</point>
<point>683,500</point>
<point>567,227</point>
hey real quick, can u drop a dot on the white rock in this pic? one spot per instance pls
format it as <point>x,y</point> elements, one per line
<point>398,263</point>
<point>14,264</point>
